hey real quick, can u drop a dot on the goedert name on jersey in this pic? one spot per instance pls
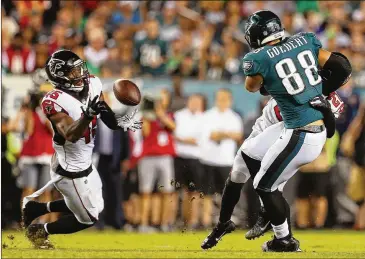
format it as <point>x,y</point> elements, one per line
<point>75,156</point>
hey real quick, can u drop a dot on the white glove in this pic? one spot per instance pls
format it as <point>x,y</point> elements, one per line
<point>127,122</point>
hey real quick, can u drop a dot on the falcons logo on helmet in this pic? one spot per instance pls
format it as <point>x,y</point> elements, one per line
<point>54,65</point>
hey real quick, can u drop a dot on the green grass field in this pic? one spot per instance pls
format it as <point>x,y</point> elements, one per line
<point>92,244</point>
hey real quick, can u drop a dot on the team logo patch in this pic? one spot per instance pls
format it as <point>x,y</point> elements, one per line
<point>247,65</point>
<point>48,108</point>
<point>54,65</point>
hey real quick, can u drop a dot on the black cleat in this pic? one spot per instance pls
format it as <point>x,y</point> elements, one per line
<point>287,244</point>
<point>218,232</point>
<point>38,236</point>
<point>261,226</point>
<point>32,211</point>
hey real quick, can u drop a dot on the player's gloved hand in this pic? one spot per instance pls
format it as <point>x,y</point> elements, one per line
<point>321,104</point>
<point>336,103</point>
<point>128,122</point>
<point>92,109</point>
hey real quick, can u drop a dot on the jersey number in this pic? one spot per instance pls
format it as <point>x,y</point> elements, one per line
<point>292,80</point>
<point>90,132</point>
<point>54,94</point>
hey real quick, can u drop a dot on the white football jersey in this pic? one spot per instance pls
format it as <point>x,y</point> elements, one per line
<point>270,115</point>
<point>72,157</point>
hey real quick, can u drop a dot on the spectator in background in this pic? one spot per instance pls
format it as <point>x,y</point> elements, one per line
<point>353,145</point>
<point>358,69</point>
<point>352,102</point>
<point>42,51</point>
<point>120,62</point>
<point>9,27</point>
<point>57,38</point>
<point>232,63</point>
<point>178,100</point>
<point>17,58</point>
<point>113,67</point>
<point>10,207</point>
<point>311,203</point>
<point>215,64</point>
<point>89,5</point>
<point>127,14</point>
<point>28,9</point>
<point>222,132</point>
<point>131,197</point>
<point>112,148</point>
<point>188,169</point>
<point>152,51</point>
<point>156,163</point>
<point>95,52</point>
<point>168,22</point>
<point>37,150</point>
<point>72,39</point>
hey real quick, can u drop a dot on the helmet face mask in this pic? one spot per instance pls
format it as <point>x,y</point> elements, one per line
<point>67,71</point>
<point>263,27</point>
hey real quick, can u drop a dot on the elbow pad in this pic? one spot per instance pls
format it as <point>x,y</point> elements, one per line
<point>335,73</point>
<point>108,116</point>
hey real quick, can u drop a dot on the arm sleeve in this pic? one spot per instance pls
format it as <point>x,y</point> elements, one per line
<point>108,116</point>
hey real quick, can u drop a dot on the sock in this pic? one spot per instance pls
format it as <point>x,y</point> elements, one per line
<point>275,205</point>
<point>287,213</point>
<point>65,225</point>
<point>58,206</point>
<point>281,230</point>
<point>230,197</point>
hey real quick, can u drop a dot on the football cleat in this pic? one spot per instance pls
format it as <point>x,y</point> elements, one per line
<point>32,211</point>
<point>38,236</point>
<point>287,244</point>
<point>218,232</point>
<point>261,226</point>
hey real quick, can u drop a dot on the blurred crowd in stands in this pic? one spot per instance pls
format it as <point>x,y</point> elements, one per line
<point>182,139</point>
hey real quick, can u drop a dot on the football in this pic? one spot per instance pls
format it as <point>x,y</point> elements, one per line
<point>127,92</point>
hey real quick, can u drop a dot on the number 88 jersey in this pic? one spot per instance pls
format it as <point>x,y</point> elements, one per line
<point>290,72</point>
<point>72,156</point>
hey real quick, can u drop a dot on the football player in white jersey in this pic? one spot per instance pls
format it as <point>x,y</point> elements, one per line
<point>72,108</point>
<point>265,132</point>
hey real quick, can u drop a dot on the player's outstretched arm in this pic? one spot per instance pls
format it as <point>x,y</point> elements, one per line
<point>114,121</point>
<point>336,70</point>
<point>71,130</point>
<point>107,115</point>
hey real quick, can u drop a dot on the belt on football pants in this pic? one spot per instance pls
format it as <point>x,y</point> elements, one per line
<point>312,128</point>
<point>73,175</point>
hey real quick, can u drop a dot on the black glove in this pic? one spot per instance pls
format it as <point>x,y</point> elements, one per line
<point>321,104</point>
<point>93,108</point>
<point>263,91</point>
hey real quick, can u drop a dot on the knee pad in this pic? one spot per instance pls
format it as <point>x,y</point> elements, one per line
<point>239,172</point>
<point>238,177</point>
